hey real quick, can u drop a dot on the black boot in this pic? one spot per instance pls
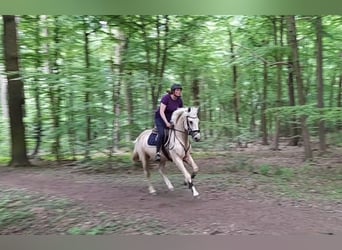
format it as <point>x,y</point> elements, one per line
<point>157,158</point>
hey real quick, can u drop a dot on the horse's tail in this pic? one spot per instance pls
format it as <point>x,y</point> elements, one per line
<point>135,156</point>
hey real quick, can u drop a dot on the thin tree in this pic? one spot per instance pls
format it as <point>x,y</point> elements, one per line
<point>292,33</point>
<point>87,98</point>
<point>236,95</point>
<point>278,41</point>
<point>196,91</point>
<point>117,68</point>
<point>16,98</point>
<point>264,104</point>
<point>55,89</point>
<point>294,129</point>
<point>320,82</point>
<point>37,97</point>
<point>156,50</point>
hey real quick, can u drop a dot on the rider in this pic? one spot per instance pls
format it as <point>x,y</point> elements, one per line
<point>168,104</point>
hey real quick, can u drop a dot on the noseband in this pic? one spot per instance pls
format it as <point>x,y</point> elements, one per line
<point>190,131</point>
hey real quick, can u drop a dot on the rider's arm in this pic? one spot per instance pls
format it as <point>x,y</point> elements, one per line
<point>162,114</point>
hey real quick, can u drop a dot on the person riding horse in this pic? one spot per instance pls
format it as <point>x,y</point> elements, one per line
<point>185,123</point>
<point>168,104</point>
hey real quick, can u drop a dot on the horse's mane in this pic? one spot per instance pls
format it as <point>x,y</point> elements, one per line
<point>177,114</point>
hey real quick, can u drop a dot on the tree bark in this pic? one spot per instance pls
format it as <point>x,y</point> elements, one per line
<point>236,95</point>
<point>54,91</point>
<point>294,124</point>
<point>292,33</point>
<point>278,58</point>
<point>320,83</point>
<point>87,98</point>
<point>264,106</point>
<point>16,99</point>
<point>38,64</point>
<point>117,71</point>
<point>196,90</point>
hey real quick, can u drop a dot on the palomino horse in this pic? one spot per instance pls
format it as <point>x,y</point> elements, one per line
<point>185,122</point>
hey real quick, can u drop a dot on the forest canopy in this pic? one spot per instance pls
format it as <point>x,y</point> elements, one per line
<point>91,84</point>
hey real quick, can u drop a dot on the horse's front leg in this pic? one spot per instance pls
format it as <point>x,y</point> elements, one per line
<point>188,179</point>
<point>190,161</point>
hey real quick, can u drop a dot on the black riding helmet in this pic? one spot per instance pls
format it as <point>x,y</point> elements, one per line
<point>176,86</point>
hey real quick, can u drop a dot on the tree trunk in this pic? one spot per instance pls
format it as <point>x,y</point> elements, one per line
<point>264,106</point>
<point>54,91</point>
<point>294,123</point>
<point>130,106</point>
<point>339,93</point>
<point>117,68</point>
<point>38,64</point>
<point>71,126</point>
<point>196,90</point>
<point>236,95</point>
<point>320,83</point>
<point>278,58</point>
<point>16,99</point>
<point>292,33</point>
<point>87,98</point>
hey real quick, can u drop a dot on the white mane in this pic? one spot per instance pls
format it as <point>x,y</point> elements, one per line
<point>177,113</point>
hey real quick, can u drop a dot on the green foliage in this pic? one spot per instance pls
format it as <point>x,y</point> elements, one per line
<point>265,170</point>
<point>52,56</point>
<point>284,173</point>
<point>9,215</point>
<point>335,138</point>
<point>4,159</point>
<point>4,137</point>
<point>330,114</point>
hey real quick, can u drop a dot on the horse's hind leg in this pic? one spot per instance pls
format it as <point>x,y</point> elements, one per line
<point>148,176</point>
<point>161,170</point>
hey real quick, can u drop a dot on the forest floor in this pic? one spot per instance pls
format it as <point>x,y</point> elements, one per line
<point>250,191</point>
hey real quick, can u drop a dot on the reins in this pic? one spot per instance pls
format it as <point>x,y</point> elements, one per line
<point>189,132</point>
<point>186,149</point>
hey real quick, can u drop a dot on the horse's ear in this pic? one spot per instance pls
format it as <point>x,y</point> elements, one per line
<point>189,109</point>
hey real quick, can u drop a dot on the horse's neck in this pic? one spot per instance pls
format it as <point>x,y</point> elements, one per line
<point>180,132</point>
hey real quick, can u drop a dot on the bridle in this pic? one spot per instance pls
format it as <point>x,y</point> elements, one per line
<point>189,131</point>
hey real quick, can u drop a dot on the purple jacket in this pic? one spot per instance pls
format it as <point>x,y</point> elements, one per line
<point>171,106</point>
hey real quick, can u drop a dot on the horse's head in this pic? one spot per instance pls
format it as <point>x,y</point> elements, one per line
<point>192,123</point>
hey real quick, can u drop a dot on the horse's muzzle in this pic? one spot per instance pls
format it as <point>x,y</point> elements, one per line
<point>196,136</point>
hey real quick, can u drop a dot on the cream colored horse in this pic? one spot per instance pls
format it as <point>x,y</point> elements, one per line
<point>186,122</point>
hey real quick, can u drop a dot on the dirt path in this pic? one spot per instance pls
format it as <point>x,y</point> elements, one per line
<point>233,211</point>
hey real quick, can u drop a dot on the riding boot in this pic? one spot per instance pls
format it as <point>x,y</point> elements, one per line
<point>157,158</point>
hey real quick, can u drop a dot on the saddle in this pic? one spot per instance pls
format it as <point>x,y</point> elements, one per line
<point>152,141</point>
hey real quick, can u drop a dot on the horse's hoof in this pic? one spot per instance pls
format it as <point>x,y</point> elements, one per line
<point>196,196</point>
<point>152,191</point>
<point>195,193</point>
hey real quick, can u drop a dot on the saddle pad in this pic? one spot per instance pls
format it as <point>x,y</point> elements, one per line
<point>152,139</point>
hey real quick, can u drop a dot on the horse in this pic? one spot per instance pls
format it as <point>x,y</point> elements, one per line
<point>177,148</point>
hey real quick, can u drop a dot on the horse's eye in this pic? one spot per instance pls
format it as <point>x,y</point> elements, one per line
<point>191,122</point>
